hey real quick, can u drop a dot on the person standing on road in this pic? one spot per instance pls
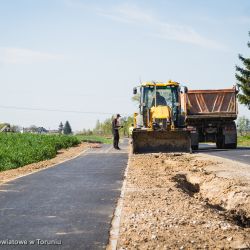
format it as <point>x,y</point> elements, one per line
<point>115,131</point>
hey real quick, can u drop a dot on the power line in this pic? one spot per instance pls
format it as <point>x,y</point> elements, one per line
<point>55,110</point>
<point>70,94</point>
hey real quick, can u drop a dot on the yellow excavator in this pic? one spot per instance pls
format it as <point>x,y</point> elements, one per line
<point>159,126</point>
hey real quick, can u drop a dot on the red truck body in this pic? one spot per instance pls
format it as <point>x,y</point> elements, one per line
<point>211,115</point>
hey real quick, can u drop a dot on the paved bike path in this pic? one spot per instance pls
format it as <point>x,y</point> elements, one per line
<point>69,206</point>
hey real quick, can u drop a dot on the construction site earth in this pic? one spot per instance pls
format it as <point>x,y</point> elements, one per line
<point>185,201</point>
<point>182,200</point>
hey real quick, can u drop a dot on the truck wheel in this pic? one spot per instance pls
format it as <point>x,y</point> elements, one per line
<point>231,145</point>
<point>220,142</point>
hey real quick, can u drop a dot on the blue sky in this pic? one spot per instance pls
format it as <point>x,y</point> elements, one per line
<point>88,55</point>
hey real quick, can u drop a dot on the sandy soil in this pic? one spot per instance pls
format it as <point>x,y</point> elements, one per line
<point>183,201</point>
<point>62,155</point>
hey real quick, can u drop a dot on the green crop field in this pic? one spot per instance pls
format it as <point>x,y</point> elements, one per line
<point>17,150</point>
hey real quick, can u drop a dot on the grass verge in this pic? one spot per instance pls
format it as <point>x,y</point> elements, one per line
<point>244,140</point>
<point>95,138</point>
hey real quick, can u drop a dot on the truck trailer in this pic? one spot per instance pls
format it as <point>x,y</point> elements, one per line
<point>211,115</point>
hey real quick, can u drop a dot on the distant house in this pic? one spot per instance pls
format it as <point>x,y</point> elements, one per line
<point>35,130</point>
<point>5,128</point>
<point>42,130</point>
<point>27,130</point>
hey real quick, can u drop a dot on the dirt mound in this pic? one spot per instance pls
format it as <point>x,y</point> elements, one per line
<point>185,185</point>
<point>172,201</point>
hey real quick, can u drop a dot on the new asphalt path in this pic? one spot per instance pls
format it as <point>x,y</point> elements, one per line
<point>69,206</point>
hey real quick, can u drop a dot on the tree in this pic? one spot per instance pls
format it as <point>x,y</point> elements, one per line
<point>15,128</point>
<point>126,122</point>
<point>60,129</point>
<point>33,128</point>
<point>136,98</point>
<point>97,128</point>
<point>103,128</point>
<point>243,79</point>
<point>89,132</point>
<point>243,125</point>
<point>67,128</point>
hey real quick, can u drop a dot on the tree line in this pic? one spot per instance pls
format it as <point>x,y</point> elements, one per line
<point>105,128</point>
<point>243,125</point>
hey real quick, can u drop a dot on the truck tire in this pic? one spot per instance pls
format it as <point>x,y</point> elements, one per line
<point>220,138</point>
<point>220,142</point>
<point>195,147</point>
<point>231,145</point>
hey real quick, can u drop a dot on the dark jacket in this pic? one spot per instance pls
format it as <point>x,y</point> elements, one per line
<point>115,126</point>
<point>160,100</point>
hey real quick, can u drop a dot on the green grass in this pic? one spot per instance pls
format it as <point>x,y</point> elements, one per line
<point>95,138</point>
<point>244,140</point>
<point>17,150</point>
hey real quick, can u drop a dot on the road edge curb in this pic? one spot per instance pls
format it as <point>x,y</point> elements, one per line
<point>116,221</point>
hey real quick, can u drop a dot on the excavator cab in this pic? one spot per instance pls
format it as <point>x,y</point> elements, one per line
<point>159,106</point>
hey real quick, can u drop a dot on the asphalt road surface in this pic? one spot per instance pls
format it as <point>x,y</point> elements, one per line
<point>69,206</point>
<point>241,154</point>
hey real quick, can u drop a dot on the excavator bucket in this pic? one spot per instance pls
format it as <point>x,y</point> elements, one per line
<point>156,141</point>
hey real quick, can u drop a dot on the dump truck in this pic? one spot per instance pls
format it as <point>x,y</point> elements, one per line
<point>159,124</point>
<point>172,118</point>
<point>211,115</point>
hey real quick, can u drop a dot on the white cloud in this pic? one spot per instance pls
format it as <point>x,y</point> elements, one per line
<point>127,14</point>
<point>10,55</point>
<point>135,14</point>
<point>187,35</point>
<point>165,30</point>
